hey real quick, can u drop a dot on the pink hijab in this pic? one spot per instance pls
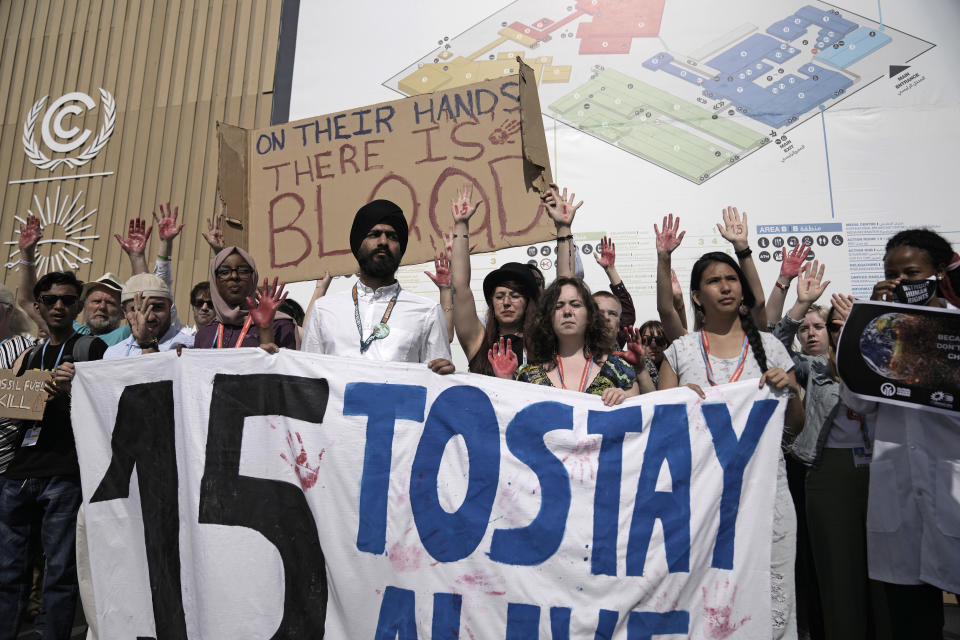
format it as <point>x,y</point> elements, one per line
<point>233,316</point>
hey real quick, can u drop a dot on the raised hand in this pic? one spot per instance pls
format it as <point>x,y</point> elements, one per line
<point>167,225</point>
<point>560,208</point>
<point>264,307</point>
<point>790,267</point>
<point>843,304</point>
<point>634,353</point>
<point>141,331</point>
<point>734,228</point>
<point>671,236</point>
<point>461,207</point>
<point>214,233</point>
<point>135,243</point>
<point>30,234</point>
<point>441,264</point>
<point>607,255</point>
<point>503,359</point>
<point>810,286</point>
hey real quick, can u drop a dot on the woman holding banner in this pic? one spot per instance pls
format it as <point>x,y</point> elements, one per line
<point>238,305</point>
<point>729,347</point>
<point>567,336</point>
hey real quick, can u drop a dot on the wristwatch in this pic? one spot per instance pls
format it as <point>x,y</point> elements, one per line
<point>153,344</point>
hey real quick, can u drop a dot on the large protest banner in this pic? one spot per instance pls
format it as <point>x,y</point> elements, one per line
<point>291,190</point>
<point>317,493</point>
<point>904,354</point>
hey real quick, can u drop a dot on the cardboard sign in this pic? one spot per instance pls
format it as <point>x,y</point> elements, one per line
<point>316,496</point>
<point>902,354</point>
<point>291,191</point>
<point>23,397</point>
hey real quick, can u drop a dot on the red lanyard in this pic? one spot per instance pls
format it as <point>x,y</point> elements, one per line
<point>583,376</point>
<point>243,333</point>
<point>705,352</point>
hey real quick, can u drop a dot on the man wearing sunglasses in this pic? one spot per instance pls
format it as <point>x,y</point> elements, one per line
<point>202,303</point>
<point>41,487</point>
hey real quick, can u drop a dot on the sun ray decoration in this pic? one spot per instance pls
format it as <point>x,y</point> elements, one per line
<point>60,223</point>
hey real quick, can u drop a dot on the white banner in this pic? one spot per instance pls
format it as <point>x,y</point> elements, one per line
<point>315,493</point>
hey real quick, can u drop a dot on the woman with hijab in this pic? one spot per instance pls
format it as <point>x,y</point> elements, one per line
<point>238,306</point>
<point>569,347</point>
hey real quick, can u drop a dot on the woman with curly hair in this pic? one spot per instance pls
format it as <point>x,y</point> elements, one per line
<point>729,347</point>
<point>568,347</point>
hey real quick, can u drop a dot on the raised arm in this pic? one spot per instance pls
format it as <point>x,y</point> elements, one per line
<point>468,327</point>
<point>30,235</point>
<point>214,233</point>
<point>263,307</point>
<point>789,268</point>
<point>667,241</point>
<point>135,243</point>
<point>319,291</point>
<point>441,278</point>
<point>678,298</point>
<point>562,210</point>
<point>607,258</point>
<point>168,230</point>
<point>735,231</point>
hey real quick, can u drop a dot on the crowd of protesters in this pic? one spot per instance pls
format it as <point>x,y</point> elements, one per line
<point>866,529</point>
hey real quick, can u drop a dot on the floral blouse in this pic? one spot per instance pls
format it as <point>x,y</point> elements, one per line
<point>615,373</point>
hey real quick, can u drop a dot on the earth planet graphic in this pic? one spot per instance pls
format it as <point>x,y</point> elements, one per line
<point>878,343</point>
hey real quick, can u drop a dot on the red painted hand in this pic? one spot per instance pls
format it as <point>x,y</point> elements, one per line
<point>607,255</point>
<point>30,234</point>
<point>441,264</point>
<point>167,225</point>
<point>671,236</point>
<point>503,359</point>
<point>265,306</point>
<point>790,267</point>
<point>137,235</point>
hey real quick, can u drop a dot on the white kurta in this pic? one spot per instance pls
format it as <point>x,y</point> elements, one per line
<point>418,331</point>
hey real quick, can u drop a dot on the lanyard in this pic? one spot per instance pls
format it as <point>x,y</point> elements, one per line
<point>853,415</point>
<point>587,367</point>
<point>380,330</point>
<point>43,352</point>
<point>705,352</point>
<point>243,333</point>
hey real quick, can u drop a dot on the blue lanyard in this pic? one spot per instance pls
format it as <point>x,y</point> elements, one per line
<point>43,352</point>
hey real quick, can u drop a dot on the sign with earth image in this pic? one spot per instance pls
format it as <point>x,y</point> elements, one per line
<point>902,354</point>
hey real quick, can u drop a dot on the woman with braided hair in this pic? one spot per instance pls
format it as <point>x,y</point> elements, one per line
<point>729,347</point>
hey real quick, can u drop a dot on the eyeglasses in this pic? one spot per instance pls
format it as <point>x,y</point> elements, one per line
<point>200,303</point>
<point>50,299</point>
<point>242,271</point>
<point>657,339</point>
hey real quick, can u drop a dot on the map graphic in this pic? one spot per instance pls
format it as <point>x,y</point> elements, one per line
<point>634,74</point>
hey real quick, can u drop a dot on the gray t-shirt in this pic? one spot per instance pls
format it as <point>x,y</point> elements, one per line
<point>684,356</point>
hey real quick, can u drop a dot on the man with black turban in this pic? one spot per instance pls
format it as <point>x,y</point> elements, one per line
<point>376,319</point>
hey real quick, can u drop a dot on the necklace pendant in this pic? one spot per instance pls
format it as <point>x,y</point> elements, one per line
<point>381,330</point>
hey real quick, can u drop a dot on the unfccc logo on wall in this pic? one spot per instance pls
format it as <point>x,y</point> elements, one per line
<point>57,138</point>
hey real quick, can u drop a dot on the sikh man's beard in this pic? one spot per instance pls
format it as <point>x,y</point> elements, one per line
<point>378,268</point>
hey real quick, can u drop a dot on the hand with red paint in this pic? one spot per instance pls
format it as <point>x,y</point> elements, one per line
<point>607,255</point>
<point>167,225</point>
<point>307,474</point>
<point>214,233</point>
<point>793,261</point>
<point>634,353</point>
<point>503,359</point>
<point>263,305</point>
<point>560,208</point>
<point>461,207</point>
<point>670,237</point>
<point>441,264</point>
<point>135,243</point>
<point>30,234</point>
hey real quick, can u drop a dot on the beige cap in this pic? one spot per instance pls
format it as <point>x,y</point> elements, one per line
<point>146,283</point>
<point>107,281</point>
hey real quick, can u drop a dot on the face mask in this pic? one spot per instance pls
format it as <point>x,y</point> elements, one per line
<point>916,291</point>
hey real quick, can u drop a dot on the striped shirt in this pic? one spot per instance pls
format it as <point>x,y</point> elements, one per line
<point>10,350</point>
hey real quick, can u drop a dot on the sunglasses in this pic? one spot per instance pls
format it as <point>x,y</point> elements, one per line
<point>654,339</point>
<point>50,300</point>
<point>199,304</point>
<point>242,272</point>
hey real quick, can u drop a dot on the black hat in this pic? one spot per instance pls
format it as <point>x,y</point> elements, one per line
<point>374,213</point>
<point>512,271</point>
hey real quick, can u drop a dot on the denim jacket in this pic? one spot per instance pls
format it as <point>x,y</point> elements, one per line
<point>822,393</point>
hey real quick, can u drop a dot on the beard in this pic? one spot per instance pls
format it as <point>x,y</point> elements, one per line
<point>100,325</point>
<point>378,266</point>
